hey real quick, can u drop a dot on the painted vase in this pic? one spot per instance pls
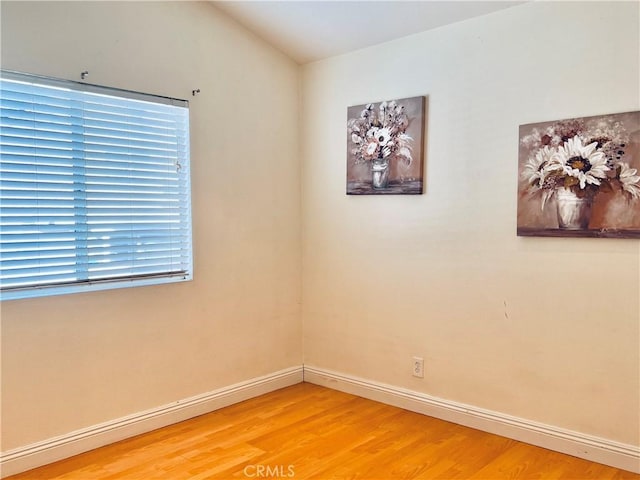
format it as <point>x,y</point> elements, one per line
<point>574,212</point>
<point>380,172</point>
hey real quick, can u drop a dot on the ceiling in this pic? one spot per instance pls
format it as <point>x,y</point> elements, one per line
<point>312,30</point>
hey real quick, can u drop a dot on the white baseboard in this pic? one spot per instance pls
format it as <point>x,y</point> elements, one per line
<point>595,449</point>
<point>38,454</point>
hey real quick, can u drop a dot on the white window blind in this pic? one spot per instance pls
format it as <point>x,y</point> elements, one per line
<point>94,187</point>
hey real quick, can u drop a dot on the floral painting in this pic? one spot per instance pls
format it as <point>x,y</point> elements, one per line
<point>580,177</point>
<point>384,147</point>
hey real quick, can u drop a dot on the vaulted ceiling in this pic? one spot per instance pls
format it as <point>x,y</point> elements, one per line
<point>311,30</point>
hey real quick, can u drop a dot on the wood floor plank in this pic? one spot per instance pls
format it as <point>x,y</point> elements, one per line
<point>310,432</point>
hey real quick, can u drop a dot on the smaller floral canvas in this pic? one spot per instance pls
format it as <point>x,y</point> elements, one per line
<point>580,177</point>
<point>384,147</point>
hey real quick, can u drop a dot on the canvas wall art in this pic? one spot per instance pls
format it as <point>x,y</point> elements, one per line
<point>580,177</point>
<point>385,147</point>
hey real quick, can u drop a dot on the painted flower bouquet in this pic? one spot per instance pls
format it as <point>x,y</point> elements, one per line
<point>379,136</point>
<point>580,158</point>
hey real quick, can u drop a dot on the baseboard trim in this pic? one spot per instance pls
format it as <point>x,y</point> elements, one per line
<point>54,449</point>
<point>596,449</point>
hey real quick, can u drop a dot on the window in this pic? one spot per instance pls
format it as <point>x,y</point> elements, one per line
<point>94,188</point>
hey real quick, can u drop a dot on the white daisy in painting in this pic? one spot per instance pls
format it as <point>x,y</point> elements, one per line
<point>537,167</point>
<point>383,136</point>
<point>405,154</point>
<point>629,180</point>
<point>371,148</point>
<point>541,172</point>
<point>582,162</point>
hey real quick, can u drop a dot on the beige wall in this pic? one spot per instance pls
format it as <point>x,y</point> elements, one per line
<point>544,329</point>
<point>73,361</point>
<point>540,328</point>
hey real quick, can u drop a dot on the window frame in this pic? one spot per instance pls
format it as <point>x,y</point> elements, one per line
<point>184,168</point>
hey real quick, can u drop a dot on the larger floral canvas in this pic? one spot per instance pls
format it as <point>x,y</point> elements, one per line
<point>579,177</point>
<point>384,147</point>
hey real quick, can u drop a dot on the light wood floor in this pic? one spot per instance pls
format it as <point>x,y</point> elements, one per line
<point>306,431</point>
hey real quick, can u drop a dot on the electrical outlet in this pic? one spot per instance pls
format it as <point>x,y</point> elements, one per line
<point>417,367</point>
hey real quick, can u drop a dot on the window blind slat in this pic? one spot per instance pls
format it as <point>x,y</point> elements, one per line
<point>10,116</point>
<point>39,153</point>
<point>137,129</point>
<point>25,248</point>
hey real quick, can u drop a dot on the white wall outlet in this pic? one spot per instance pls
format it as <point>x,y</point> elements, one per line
<point>417,367</point>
